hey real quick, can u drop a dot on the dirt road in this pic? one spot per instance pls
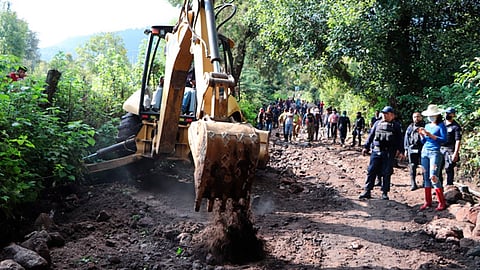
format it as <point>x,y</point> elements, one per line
<point>305,207</point>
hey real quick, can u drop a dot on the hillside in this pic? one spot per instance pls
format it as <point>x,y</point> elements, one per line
<point>132,39</point>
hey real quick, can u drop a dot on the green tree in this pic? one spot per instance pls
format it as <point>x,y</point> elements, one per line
<point>13,34</point>
<point>106,70</point>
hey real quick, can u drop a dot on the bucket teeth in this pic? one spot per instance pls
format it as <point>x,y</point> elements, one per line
<point>225,156</point>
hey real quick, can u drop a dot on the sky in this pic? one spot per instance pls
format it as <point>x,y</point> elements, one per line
<point>57,20</point>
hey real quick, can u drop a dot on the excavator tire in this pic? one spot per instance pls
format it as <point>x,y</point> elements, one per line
<point>226,157</point>
<point>129,126</point>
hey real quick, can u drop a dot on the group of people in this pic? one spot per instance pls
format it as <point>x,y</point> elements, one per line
<point>316,121</point>
<point>291,116</point>
<point>435,146</point>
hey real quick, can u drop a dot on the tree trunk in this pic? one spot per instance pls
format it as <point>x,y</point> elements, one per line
<point>53,76</point>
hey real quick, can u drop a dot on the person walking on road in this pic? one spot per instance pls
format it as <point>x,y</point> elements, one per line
<point>433,135</point>
<point>413,147</point>
<point>333,122</point>
<point>358,127</point>
<point>344,126</point>
<point>387,141</point>
<point>310,123</point>
<point>451,148</point>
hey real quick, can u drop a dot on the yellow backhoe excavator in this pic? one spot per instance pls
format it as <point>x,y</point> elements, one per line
<point>226,150</point>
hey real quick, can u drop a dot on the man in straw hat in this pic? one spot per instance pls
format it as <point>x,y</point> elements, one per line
<point>433,135</point>
<point>387,141</point>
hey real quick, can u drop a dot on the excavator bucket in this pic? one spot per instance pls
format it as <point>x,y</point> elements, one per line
<point>225,156</point>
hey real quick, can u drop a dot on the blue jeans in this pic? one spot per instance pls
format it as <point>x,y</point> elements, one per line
<point>381,163</point>
<point>431,163</point>
<point>268,125</point>
<point>289,130</point>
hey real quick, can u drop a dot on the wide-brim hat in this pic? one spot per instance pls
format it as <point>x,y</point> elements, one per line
<point>432,110</point>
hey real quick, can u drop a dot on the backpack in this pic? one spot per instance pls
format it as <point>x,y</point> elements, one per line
<point>310,119</point>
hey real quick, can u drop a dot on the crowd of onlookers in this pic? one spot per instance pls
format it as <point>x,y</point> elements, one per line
<point>294,116</point>
<point>434,145</point>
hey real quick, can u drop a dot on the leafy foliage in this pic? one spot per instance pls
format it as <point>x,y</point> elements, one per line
<point>38,149</point>
<point>16,39</point>
<point>464,95</point>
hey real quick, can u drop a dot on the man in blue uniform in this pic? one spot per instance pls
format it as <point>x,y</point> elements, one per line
<point>386,140</point>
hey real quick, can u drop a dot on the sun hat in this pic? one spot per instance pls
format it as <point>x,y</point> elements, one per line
<point>432,110</point>
<point>388,109</point>
<point>450,110</point>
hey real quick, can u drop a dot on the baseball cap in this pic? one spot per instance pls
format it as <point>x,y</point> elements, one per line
<point>450,110</point>
<point>388,109</point>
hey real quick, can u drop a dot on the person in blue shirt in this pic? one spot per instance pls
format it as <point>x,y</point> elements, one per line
<point>433,136</point>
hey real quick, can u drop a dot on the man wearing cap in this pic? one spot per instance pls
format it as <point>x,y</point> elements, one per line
<point>20,74</point>
<point>386,141</point>
<point>451,148</point>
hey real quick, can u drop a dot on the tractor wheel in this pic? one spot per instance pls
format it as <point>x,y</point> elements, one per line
<point>129,127</point>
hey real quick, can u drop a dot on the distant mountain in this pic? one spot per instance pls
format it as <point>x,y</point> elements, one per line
<point>132,38</point>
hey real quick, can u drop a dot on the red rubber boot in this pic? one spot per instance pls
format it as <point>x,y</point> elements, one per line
<point>441,200</point>
<point>428,198</point>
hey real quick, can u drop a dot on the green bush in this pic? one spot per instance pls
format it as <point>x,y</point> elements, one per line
<point>464,95</point>
<point>37,148</point>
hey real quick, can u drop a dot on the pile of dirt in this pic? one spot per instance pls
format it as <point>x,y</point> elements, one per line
<point>305,215</point>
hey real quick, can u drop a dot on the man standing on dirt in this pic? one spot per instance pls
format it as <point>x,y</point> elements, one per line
<point>387,141</point>
<point>310,123</point>
<point>343,126</point>
<point>413,147</point>
<point>358,127</point>
<point>451,149</point>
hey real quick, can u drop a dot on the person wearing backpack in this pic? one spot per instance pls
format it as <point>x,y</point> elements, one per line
<point>310,123</point>
<point>413,147</point>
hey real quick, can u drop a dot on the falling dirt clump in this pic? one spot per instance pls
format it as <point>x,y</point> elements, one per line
<point>231,237</point>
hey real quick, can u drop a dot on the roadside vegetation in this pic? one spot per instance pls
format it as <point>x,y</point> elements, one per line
<point>353,55</point>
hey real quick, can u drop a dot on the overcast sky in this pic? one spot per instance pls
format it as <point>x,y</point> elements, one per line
<point>57,20</point>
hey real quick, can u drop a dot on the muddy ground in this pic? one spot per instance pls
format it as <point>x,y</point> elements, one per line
<point>305,207</point>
